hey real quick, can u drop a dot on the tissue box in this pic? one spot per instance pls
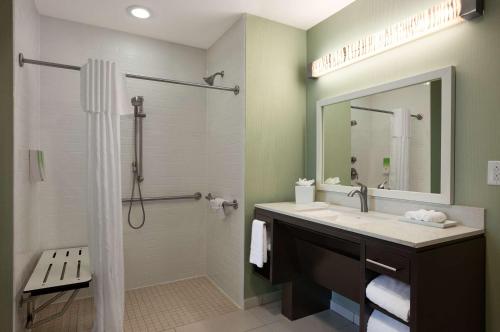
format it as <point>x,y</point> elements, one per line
<point>304,194</point>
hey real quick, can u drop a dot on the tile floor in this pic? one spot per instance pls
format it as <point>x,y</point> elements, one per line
<point>193,305</point>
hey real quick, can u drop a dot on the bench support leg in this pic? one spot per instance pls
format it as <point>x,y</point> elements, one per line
<point>32,310</point>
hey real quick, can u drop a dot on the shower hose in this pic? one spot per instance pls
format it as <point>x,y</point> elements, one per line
<point>136,178</point>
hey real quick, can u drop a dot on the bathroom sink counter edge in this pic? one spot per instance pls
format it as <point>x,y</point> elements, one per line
<point>375,224</point>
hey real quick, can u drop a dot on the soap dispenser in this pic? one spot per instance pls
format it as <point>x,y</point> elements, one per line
<point>37,166</point>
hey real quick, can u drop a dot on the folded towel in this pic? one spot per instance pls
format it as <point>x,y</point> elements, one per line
<point>304,182</point>
<point>426,215</point>
<point>335,180</point>
<point>258,245</point>
<point>391,295</point>
<point>379,322</point>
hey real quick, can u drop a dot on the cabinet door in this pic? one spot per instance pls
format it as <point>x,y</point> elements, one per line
<point>283,254</point>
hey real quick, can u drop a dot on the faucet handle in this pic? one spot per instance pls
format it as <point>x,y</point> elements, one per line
<point>361,185</point>
<point>363,188</point>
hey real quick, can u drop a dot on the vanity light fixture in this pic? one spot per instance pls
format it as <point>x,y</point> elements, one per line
<point>435,18</point>
<point>139,12</point>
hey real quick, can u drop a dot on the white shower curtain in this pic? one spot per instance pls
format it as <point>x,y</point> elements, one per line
<point>102,97</point>
<point>399,178</point>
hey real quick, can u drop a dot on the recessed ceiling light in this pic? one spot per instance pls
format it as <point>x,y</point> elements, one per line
<point>139,12</point>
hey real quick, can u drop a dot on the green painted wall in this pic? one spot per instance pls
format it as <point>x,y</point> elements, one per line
<point>337,142</point>
<point>6,164</point>
<point>275,121</point>
<point>474,48</point>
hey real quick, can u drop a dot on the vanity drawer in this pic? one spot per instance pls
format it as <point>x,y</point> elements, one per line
<point>386,259</point>
<point>329,269</point>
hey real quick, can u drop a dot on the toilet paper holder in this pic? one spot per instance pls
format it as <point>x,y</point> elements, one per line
<point>234,204</point>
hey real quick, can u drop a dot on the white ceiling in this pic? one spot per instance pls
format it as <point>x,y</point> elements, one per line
<point>197,23</point>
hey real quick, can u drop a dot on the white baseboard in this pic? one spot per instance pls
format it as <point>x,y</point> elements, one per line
<point>344,312</point>
<point>262,299</point>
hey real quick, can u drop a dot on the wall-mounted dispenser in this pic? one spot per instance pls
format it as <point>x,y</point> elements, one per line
<point>37,166</point>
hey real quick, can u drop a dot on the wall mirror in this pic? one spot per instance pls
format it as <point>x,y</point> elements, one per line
<point>396,138</point>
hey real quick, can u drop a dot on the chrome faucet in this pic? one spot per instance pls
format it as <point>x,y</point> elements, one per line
<point>363,196</point>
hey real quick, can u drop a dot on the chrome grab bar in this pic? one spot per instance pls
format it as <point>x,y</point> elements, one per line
<point>195,196</point>
<point>393,269</point>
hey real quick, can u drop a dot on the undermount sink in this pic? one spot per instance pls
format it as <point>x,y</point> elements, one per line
<point>323,214</point>
<point>343,217</point>
<point>366,216</point>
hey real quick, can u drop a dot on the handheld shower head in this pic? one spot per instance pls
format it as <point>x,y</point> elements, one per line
<point>138,102</point>
<point>210,79</point>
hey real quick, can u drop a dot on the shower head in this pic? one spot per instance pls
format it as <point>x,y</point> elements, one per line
<point>210,79</point>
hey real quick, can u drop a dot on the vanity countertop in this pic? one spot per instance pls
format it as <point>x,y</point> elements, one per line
<point>374,224</point>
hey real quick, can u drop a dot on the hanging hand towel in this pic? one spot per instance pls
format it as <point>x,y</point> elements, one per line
<point>258,245</point>
<point>102,98</point>
<point>391,295</point>
<point>379,322</point>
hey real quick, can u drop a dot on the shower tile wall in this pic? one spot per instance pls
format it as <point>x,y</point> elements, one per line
<point>225,162</point>
<point>171,245</point>
<point>26,136</point>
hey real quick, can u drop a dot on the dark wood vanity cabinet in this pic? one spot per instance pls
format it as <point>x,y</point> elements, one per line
<point>310,260</point>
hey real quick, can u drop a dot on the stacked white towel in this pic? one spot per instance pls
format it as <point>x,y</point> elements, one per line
<point>258,245</point>
<point>426,215</point>
<point>391,295</point>
<point>379,322</point>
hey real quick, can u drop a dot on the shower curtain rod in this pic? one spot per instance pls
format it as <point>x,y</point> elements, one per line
<point>235,90</point>
<point>417,116</point>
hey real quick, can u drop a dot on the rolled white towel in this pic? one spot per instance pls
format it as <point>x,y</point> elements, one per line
<point>391,295</point>
<point>335,180</point>
<point>427,215</point>
<point>379,322</point>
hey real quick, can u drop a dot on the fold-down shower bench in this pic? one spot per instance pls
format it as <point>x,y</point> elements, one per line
<point>58,271</point>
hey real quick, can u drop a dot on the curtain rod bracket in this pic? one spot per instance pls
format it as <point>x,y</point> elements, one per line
<point>21,60</point>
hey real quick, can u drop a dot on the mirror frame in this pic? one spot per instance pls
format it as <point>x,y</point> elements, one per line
<point>447,76</point>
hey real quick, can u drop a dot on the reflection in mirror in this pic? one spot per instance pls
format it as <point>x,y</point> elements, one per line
<point>390,140</point>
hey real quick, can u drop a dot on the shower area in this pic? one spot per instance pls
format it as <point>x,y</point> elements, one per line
<point>181,142</point>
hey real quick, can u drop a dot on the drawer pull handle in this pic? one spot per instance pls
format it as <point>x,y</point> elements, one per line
<point>393,269</point>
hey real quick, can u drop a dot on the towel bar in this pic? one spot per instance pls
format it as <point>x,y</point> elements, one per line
<point>234,204</point>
